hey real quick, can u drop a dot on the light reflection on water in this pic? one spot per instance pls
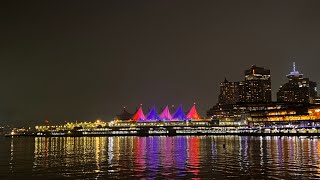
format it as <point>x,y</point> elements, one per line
<point>198,157</point>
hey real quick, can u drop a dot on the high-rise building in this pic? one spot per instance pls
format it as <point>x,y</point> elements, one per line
<point>257,85</point>
<point>298,89</point>
<point>229,92</point>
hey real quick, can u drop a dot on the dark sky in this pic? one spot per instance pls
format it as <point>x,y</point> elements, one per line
<point>83,60</point>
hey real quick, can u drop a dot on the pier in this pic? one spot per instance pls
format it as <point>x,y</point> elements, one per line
<point>164,128</point>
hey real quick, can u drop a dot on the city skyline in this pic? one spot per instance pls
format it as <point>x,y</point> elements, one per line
<point>256,87</point>
<point>170,89</point>
<point>67,61</point>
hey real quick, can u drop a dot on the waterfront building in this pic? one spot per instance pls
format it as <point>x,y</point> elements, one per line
<point>229,92</point>
<point>228,114</point>
<point>138,124</point>
<point>293,115</point>
<point>256,88</point>
<point>266,114</point>
<point>298,89</point>
<point>257,85</point>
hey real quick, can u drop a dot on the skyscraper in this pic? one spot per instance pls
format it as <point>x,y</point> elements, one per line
<point>257,85</point>
<point>298,89</point>
<point>229,92</point>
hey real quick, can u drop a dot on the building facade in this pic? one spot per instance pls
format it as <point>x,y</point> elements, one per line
<point>298,89</point>
<point>236,98</point>
<point>249,103</point>
<point>229,92</point>
<point>257,85</point>
<point>266,114</point>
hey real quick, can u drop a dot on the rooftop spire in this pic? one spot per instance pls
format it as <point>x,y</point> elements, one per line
<point>294,71</point>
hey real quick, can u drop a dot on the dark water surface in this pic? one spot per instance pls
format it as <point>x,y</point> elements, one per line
<point>180,157</point>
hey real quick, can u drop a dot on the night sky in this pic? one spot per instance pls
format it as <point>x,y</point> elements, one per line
<point>84,60</point>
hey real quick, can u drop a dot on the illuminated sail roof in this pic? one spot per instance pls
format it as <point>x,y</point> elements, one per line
<point>139,115</point>
<point>152,115</point>
<point>179,114</point>
<point>193,114</point>
<point>166,115</point>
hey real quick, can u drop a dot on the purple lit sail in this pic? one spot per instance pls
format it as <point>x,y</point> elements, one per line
<point>179,114</point>
<point>166,115</point>
<point>152,114</point>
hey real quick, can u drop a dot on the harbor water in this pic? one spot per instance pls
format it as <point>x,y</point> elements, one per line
<point>160,157</point>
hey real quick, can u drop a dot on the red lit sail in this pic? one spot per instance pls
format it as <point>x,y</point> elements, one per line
<point>193,114</point>
<point>139,115</point>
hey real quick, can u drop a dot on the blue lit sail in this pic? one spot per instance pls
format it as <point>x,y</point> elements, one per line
<point>152,115</point>
<point>179,114</point>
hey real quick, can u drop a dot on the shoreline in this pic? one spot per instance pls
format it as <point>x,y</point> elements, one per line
<point>185,134</point>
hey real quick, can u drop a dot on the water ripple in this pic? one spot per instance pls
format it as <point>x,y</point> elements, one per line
<point>185,157</point>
